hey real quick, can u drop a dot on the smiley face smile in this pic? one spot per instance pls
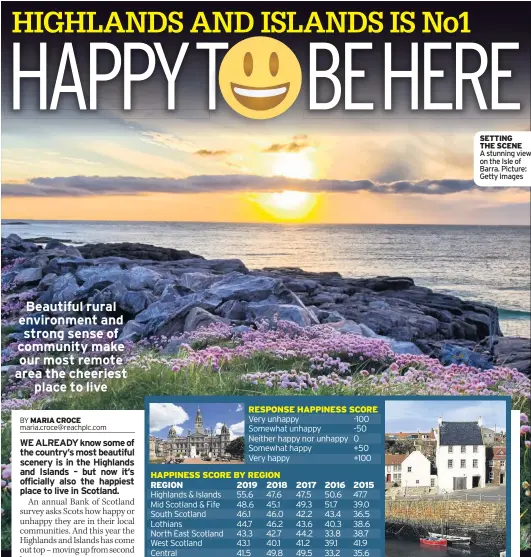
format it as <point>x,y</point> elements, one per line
<point>260,98</point>
<point>260,78</point>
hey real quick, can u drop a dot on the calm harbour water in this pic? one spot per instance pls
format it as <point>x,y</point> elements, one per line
<point>412,548</point>
<point>483,263</point>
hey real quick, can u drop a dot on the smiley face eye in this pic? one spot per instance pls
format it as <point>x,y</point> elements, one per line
<point>273,64</point>
<point>248,64</point>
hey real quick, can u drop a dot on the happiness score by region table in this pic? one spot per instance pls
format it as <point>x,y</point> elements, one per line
<point>311,482</point>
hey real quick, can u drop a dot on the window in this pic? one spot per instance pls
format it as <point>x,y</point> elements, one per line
<point>502,463</point>
<point>432,482</point>
<point>450,449</point>
<point>417,481</point>
<point>474,463</point>
<point>491,462</point>
<point>475,449</point>
<point>450,464</point>
<point>463,464</point>
<point>409,468</point>
<point>491,475</point>
<point>463,448</point>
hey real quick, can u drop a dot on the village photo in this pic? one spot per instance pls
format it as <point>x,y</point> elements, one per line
<point>186,433</point>
<point>446,474</point>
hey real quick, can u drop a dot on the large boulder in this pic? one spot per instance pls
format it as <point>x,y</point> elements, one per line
<point>129,301</point>
<point>134,302</point>
<point>63,289</point>
<point>252,288</point>
<point>198,281</point>
<point>284,312</point>
<point>139,278</point>
<point>132,331</point>
<point>15,242</point>
<point>29,276</point>
<point>198,318</point>
<point>322,298</point>
<point>233,310</point>
<point>404,347</point>
<point>167,318</point>
<point>90,276</point>
<point>110,294</point>
<point>36,260</point>
<point>136,251</point>
<point>513,352</point>
<point>157,310</point>
<point>55,247</point>
<point>346,326</point>
<point>61,265</point>
<point>47,281</point>
<point>224,266</point>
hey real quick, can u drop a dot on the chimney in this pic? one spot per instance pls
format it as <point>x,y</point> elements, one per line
<point>480,422</point>
<point>439,420</point>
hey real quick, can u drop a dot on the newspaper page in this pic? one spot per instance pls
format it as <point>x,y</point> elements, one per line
<point>266,279</point>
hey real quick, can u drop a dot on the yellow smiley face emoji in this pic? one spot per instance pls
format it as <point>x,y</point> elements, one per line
<point>260,78</point>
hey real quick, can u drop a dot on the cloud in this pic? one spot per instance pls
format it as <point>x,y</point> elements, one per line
<point>168,140</point>
<point>211,153</point>
<point>239,408</point>
<point>422,415</point>
<point>84,186</point>
<point>163,414</point>
<point>296,145</point>
<point>235,430</point>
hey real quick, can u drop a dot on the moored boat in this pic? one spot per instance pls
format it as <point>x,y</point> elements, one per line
<point>438,542</point>
<point>451,539</point>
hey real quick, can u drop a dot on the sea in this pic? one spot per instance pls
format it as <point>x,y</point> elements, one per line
<point>489,264</point>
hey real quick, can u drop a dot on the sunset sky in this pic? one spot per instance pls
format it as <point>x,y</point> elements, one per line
<point>123,168</point>
<point>398,166</point>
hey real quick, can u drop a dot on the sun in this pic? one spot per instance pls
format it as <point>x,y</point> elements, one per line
<point>293,165</point>
<point>287,205</point>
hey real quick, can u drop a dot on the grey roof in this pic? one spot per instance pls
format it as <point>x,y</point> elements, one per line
<point>460,433</point>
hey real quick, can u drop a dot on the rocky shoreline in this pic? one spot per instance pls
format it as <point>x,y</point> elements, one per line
<point>164,291</point>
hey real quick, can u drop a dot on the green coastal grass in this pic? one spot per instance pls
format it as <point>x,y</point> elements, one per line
<point>158,379</point>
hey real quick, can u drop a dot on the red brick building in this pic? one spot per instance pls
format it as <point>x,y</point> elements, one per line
<point>497,465</point>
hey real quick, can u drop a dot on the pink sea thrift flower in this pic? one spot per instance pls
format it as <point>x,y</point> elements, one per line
<point>6,473</point>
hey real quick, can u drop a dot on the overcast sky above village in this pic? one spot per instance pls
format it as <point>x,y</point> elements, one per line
<point>422,415</point>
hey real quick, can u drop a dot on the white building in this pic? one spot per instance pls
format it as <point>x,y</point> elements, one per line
<point>416,471</point>
<point>412,470</point>
<point>460,455</point>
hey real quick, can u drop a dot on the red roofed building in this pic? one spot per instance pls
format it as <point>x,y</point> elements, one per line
<point>411,436</point>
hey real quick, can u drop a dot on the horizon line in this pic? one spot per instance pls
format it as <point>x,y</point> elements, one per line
<point>22,221</point>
